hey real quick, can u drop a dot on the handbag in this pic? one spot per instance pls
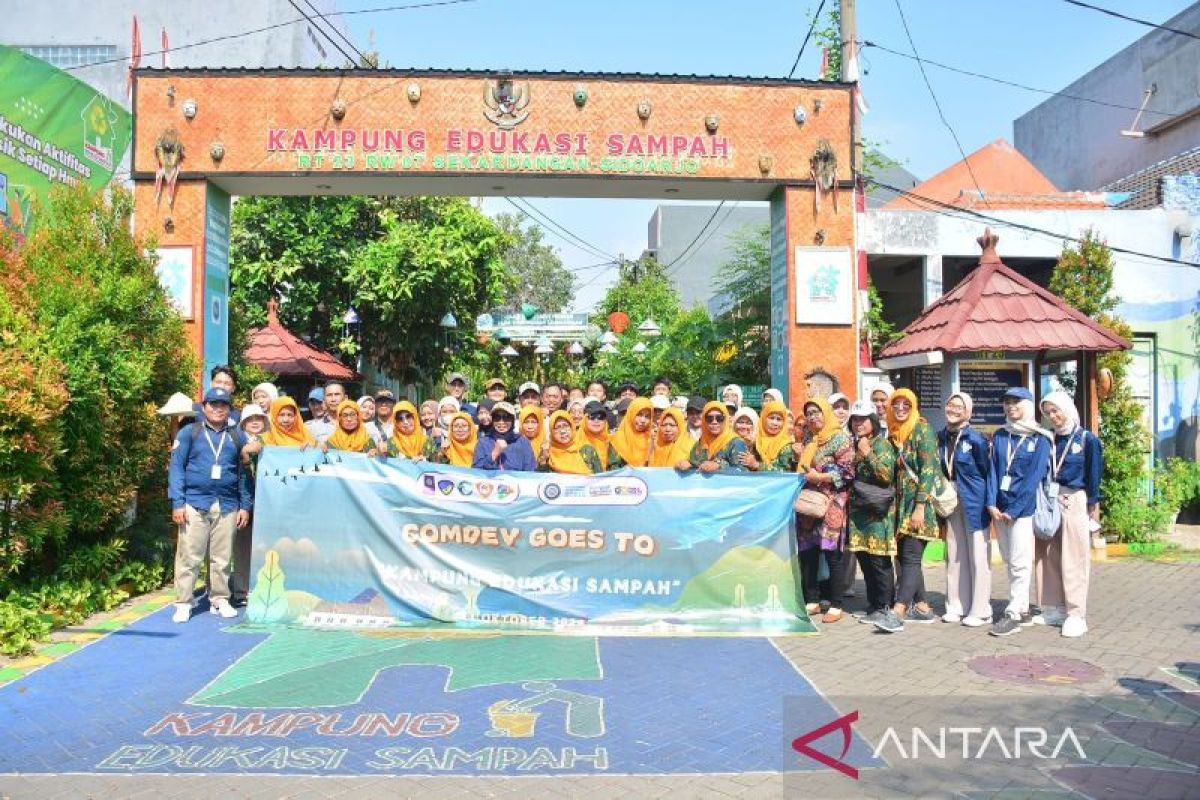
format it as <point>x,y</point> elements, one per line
<point>1047,511</point>
<point>812,503</point>
<point>875,500</point>
<point>945,490</point>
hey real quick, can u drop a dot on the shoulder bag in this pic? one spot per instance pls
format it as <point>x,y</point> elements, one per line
<point>812,503</point>
<point>945,490</point>
<point>1047,511</point>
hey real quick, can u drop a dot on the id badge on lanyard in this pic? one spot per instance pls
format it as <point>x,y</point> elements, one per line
<point>1006,481</point>
<point>215,474</point>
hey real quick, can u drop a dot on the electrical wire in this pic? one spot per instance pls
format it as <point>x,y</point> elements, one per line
<point>1014,84</point>
<point>684,252</point>
<point>321,30</point>
<point>579,243</point>
<point>362,57</point>
<point>1128,18</point>
<point>230,36</point>
<point>942,207</point>
<point>816,18</point>
<point>936,104</point>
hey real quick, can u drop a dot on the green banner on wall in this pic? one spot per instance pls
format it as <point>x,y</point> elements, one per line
<point>54,130</point>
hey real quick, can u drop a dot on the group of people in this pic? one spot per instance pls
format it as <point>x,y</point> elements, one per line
<point>879,482</point>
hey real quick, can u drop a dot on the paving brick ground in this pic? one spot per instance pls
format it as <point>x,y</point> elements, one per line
<point>1145,642</point>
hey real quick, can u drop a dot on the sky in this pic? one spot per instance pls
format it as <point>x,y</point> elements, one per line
<point>1040,43</point>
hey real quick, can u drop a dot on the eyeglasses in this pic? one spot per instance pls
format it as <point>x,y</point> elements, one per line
<point>597,415</point>
<point>715,418</point>
<point>901,404</point>
<point>403,415</point>
<point>501,418</point>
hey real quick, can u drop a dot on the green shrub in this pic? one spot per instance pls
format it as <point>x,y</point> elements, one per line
<point>20,629</point>
<point>101,558</point>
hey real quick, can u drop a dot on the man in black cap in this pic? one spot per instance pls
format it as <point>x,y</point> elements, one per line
<point>456,387</point>
<point>695,412</point>
<point>382,426</point>
<point>627,390</point>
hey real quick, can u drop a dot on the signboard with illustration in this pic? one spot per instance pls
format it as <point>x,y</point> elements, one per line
<point>216,278</point>
<point>824,286</point>
<point>54,130</point>
<point>346,541</point>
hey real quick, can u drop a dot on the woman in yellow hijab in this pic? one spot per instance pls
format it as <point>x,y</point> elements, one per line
<point>286,428</point>
<point>719,447</point>
<point>827,463</point>
<point>772,451</point>
<point>351,434</point>
<point>531,423</point>
<point>408,437</point>
<point>566,455</point>
<point>634,437</point>
<point>672,445</point>
<point>458,448</point>
<point>917,470</point>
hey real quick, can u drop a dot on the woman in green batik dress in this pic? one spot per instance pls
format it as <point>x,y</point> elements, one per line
<point>873,531</point>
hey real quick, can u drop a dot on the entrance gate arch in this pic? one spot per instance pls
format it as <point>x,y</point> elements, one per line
<point>202,136</point>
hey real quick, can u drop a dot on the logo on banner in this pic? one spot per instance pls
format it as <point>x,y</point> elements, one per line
<point>455,487</point>
<point>505,103</point>
<point>593,491</point>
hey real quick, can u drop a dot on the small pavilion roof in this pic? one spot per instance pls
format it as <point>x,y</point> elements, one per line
<point>995,308</point>
<point>278,350</point>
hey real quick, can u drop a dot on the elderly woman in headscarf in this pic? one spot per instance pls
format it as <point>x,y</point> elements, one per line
<point>672,446</point>
<point>1063,563</point>
<point>408,436</point>
<point>872,519</point>
<point>827,463</point>
<point>1021,452</point>
<point>351,433</point>
<point>287,429</point>
<point>719,448</point>
<point>567,454</point>
<point>594,431</point>
<point>880,394</point>
<point>458,448</point>
<point>745,425</point>
<point>731,396</point>
<point>429,421</point>
<point>264,395</point>
<point>633,439</point>
<point>771,450</point>
<point>964,458</point>
<point>531,423</point>
<point>575,409</point>
<point>916,524</point>
<point>448,406</point>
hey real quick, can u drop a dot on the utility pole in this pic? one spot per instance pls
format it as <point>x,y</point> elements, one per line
<point>849,35</point>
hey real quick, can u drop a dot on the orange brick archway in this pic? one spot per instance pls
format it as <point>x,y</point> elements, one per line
<point>303,132</point>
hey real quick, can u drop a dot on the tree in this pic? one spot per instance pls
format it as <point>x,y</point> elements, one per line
<point>401,263</point>
<point>91,291</point>
<point>539,277</point>
<point>744,283</point>
<point>1083,278</point>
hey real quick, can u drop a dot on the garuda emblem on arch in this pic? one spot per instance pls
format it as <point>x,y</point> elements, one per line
<point>505,103</point>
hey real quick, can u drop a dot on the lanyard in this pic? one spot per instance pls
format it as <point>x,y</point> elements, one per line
<point>948,463</point>
<point>216,451</point>
<point>1012,452</point>
<point>1058,462</point>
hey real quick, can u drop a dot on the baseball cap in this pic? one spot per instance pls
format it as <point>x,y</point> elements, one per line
<point>317,394</point>
<point>385,396</point>
<point>457,376</point>
<point>695,403</point>
<point>215,395</point>
<point>251,411</point>
<point>595,407</point>
<point>529,386</point>
<point>862,408</point>
<point>494,382</point>
<point>837,397</point>
<point>660,403</point>
<point>504,408</point>
<point>1019,392</point>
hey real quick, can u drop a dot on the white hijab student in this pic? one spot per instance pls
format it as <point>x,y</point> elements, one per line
<point>1063,564</point>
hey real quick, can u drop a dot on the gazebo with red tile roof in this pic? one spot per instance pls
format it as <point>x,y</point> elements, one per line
<point>278,350</point>
<point>993,313</point>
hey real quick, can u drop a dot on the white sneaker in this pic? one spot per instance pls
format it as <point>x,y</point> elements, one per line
<point>1051,615</point>
<point>183,612</point>
<point>223,608</point>
<point>974,622</point>
<point>1074,627</point>
<point>951,617</point>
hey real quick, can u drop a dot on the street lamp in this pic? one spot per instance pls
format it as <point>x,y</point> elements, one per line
<point>509,351</point>
<point>639,349</point>
<point>448,321</point>
<point>649,328</point>
<point>576,349</point>
<point>609,338</point>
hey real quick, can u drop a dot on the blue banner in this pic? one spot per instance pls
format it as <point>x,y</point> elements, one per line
<point>346,541</point>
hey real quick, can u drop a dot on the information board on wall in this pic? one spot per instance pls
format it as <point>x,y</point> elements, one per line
<point>216,278</point>
<point>927,383</point>
<point>986,382</point>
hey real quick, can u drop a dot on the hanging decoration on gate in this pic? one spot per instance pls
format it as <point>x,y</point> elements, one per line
<point>168,150</point>
<point>823,168</point>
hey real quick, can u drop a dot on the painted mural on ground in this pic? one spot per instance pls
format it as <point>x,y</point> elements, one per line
<point>344,541</point>
<point>218,696</point>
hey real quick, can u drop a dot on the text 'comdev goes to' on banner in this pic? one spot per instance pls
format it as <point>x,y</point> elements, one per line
<point>476,150</point>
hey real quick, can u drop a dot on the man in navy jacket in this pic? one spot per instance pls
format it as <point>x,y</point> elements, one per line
<point>210,495</point>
